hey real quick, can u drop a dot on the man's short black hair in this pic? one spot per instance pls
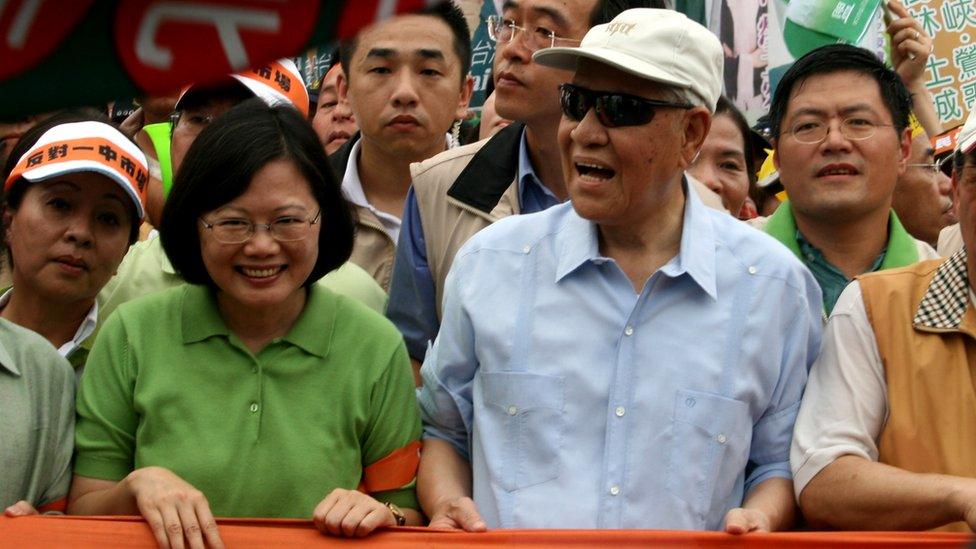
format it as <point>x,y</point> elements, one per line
<point>219,167</point>
<point>605,10</point>
<point>12,198</point>
<point>445,11</point>
<point>841,58</point>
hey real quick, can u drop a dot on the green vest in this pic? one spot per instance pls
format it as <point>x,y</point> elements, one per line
<point>159,134</point>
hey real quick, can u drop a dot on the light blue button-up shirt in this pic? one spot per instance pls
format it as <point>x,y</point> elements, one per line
<point>582,404</point>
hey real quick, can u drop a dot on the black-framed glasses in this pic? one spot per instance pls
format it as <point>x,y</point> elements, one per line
<point>236,230</point>
<point>504,31</point>
<point>812,132</point>
<point>612,109</point>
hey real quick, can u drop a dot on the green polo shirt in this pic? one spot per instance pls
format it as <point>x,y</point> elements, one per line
<point>37,418</point>
<point>900,251</point>
<point>266,435</point>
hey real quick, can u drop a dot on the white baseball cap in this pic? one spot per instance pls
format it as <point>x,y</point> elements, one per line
<point>657,44</point>
<point>86,147</point>
<point>275,83</point>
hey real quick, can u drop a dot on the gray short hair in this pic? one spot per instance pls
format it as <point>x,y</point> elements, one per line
<point>686,95</point>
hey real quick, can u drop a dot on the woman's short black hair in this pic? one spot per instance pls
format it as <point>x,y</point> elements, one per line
<point>219,167</point>
<point>11,199</point>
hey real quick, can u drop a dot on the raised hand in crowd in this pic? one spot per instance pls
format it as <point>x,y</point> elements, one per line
<point>910,49</point>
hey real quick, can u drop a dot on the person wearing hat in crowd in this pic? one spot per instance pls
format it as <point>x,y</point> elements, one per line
<point>250,391</point>
<point>461,191</point>
<point>884,439</point>
<point>72,203</point>
<point>146,268</point>
<point>333,121</point>
<point>406,79</point>
<point>630,419</point>
<point>840,122</point>
<point>923,194</point>
<point>945,145</point>
<point>69,215</point>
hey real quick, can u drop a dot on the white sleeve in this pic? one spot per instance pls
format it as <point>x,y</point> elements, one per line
<point>845,403</point>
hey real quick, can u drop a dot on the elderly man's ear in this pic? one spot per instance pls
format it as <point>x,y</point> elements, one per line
<point>695,125</point>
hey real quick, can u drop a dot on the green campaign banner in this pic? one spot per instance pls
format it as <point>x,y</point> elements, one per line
<point>59,53</point>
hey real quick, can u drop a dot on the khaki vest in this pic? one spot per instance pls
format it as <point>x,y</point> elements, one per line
<point>929,371</point>
<point>450,216</point>
<point>373,249</point>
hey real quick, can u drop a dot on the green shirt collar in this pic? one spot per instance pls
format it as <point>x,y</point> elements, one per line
<point>7,361</point>
<point>312,331</point>
<point>901,250</point>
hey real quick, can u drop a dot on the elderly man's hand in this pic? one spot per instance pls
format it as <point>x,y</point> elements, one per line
<point>743,521</point>
<point>459,513</point>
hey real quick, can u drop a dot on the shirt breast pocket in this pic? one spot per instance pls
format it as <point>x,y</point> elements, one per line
<point>711,437</point>
<point>528,411</point>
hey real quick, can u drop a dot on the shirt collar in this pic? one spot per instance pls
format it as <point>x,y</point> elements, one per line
<point>352,186</point>
<point>6,361</point>
<point>526,173</point>
<point>84,331</point>
<point>900,251</point>
<point>945,302</point>
<point>578,242</point>
<point>312,331</point>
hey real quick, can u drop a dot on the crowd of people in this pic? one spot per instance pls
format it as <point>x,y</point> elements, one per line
<point>590,313</point>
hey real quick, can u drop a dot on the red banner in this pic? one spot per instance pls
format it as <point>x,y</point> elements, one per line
<point>84,532</point>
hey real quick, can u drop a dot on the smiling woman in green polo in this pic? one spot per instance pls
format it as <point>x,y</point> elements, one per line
<point>251,392</point>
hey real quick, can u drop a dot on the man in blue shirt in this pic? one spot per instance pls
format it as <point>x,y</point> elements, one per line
<point>632,359</point>
<point>461,191</point>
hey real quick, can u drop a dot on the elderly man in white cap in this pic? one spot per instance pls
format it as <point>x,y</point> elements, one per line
<point>886,436</point>
<point>572,384</point>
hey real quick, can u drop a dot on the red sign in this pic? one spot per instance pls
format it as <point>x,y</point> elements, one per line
<point>31,29</point>
<point>164,44</point>
<point>362,13</point>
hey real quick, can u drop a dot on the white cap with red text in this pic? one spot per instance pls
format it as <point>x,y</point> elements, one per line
<point>86,147</point>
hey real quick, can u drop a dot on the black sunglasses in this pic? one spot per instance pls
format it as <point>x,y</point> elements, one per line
<point>612,109</point>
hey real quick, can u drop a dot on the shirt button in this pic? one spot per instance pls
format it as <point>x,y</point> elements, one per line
<point>620,411</point>
<point>512,410</point>
<point>254,407</point>
<point>614,490</point>
<point>721,439</point>
<point>629,331</point>
<point>752,270</point>
<point>526,249</point>
<point>690,402</point>
<point>254,369</point>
